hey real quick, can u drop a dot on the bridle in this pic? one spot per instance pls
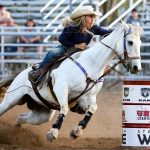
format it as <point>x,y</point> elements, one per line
<point>90,83</point>
<point>100,79</point>
<point>124,60</point>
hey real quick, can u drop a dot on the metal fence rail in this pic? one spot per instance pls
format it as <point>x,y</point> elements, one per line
<point>30,56</point>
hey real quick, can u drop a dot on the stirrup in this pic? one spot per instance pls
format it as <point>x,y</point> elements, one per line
<point>35,78</point>
<point>37,81</point>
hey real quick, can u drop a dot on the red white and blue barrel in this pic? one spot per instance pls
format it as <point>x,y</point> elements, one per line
<point>136,114</point>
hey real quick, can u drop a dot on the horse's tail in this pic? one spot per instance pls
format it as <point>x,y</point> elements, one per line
<point>8,80</point>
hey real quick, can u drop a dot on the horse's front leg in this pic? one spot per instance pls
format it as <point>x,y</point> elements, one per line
<point>78,130</point>
<point>61,91</point>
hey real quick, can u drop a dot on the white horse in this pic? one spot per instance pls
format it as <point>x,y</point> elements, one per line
<point>69,80</point>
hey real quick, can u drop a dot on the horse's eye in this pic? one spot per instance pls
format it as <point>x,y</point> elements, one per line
<point>130,42</point>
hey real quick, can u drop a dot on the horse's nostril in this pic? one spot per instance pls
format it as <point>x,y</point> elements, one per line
<point>135,68</point>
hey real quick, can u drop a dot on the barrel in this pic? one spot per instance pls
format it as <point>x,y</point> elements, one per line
<point>136,114</point>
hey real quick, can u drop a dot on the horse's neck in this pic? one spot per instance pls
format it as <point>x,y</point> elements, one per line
<point>101,56</point>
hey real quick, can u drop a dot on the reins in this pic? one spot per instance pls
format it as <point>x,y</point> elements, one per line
<point>89,80</point>
<point>122,61</point>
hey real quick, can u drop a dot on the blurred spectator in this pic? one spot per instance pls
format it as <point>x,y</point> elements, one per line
<point>30,38</point>
<point>11,38</point>
<point>10,26</point>
<point>4,15</point>
<point>134,18</point>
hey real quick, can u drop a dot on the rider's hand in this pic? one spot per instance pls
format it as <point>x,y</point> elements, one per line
<point>31,40</point>
<point>26,40</point>
<point>80,46</point>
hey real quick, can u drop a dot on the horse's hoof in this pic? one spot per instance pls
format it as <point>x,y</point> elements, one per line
<point>50,137</point>
<point>52,134</point>
<point>76,132</point>
<point>72,135</point>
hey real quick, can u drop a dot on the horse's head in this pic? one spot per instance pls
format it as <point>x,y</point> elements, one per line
<point>128,44</point>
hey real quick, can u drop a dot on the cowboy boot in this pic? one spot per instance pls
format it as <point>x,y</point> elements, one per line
<point>35,75</point>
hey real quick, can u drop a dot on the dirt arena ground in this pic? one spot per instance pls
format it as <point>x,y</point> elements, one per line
<point>102,133</point>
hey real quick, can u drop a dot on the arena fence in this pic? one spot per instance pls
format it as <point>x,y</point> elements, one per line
<point>8,59</point>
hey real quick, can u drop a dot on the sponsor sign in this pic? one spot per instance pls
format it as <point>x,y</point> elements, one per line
<point>136,114</point>
<point>123,117</point>
<point>135,137</point>
<point>136,94</point>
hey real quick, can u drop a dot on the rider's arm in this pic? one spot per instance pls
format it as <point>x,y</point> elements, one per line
<point>97,30</point>
<point>65,37</point>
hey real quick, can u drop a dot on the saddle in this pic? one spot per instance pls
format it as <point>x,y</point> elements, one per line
<point>49,68</point>
<point>40,73</point>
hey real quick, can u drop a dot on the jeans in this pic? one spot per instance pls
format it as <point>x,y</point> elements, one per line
<point>53,55</point>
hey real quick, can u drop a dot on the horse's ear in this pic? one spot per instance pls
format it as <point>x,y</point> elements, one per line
<point>125,25</point>
<point>118,24</point>
<point>121,21</point>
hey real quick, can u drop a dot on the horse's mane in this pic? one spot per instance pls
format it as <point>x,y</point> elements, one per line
<point>137,30</point>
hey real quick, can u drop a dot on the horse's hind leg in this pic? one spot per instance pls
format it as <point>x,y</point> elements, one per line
<point>35,117</point>
<point>9,101</point>
<point>38,115</point>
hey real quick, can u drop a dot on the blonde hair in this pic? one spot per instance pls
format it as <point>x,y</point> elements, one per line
<point>67,21</point>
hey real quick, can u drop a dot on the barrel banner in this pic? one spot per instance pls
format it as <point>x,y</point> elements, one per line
<point>136,114</point>
<point>136,94</point>
<point>135,137</point>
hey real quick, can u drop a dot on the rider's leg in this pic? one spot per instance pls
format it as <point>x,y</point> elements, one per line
<point>49,59</point>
